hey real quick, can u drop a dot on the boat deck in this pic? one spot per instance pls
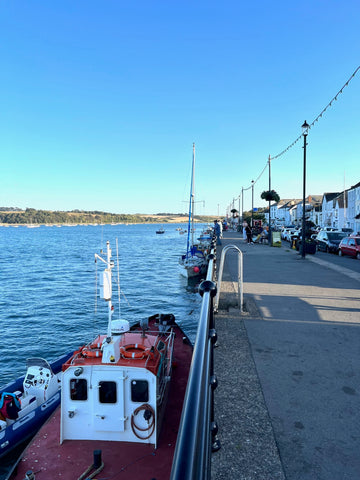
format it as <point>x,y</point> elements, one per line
<point>139,461</point>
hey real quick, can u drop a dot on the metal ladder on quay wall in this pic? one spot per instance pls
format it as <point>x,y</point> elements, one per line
<point>224,251</point>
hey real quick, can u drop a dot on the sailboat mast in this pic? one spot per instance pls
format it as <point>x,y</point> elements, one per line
<point>191,204</point>
<point>193,196</point>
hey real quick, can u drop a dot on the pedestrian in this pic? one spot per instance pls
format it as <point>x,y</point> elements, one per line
<point>249,235</point>
<point>264,235</point>
<point>217,232</point>
<point>221,228</point>
<point>244,230</point>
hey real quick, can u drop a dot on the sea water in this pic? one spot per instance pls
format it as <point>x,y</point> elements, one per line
<point>48,299</point>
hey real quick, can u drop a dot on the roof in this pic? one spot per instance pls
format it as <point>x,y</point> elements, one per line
<point>340,199</point>
<point>355,186</point>
<point>315,198</point>
<point>330,196</point>
<point>287,202</point>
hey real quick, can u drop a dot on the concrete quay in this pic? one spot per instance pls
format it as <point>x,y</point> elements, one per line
<point>288,366</point>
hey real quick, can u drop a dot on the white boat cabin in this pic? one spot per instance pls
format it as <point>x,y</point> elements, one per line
<point>113,389</point>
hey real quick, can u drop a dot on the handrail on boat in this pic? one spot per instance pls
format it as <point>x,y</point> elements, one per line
<point>240,275</point>
<point>197,436</point>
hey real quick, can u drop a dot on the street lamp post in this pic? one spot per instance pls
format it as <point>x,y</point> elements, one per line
<point>242,204</point>
<point>305,128</point>
<point>269,233</point>
<point>252,203</point>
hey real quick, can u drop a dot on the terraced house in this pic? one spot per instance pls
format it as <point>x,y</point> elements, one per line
<point>331,209</point>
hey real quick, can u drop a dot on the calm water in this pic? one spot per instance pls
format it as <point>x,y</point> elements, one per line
<point>47,286</point>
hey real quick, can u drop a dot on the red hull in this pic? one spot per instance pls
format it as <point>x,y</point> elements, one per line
<point>124,460</point>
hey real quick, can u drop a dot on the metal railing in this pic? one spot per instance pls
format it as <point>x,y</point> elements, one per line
<point>197,436</point>
<point>240,276</point>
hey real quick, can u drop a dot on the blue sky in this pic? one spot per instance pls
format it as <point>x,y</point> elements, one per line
<point>102,100</point>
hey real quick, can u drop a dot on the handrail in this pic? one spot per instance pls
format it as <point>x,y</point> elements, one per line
<point>197,430</point>
<point>240,275</point>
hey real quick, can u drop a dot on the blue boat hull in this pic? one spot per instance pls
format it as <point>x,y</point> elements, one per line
<point>25,427</point>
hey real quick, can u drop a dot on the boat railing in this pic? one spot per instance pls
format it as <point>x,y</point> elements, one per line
<point>197,436</point>
<point>224,251</point>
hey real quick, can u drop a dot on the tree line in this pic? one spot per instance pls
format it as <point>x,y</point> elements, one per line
<point>75,217</point>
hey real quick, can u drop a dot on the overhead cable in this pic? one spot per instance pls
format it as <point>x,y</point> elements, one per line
<point>311,125</point>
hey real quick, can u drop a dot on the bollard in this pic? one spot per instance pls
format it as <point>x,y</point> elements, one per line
<point>29,475</point>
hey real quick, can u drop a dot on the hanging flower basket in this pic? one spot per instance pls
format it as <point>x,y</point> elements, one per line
<point>270,196</point>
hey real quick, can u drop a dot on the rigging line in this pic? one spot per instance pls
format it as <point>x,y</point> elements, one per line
<point>96,273</point>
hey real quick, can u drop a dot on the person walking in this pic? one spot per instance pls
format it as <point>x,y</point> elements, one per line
<point>244,230</point>
<point>217,231</point>
<point>221,228</point>
<point>249,235</point>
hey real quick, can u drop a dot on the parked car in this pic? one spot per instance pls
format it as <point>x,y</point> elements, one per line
<point>283,233</point>
<point>350,246</point>
<point>329,241</point>
<point>288,234</point>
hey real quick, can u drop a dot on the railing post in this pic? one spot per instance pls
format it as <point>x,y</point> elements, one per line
<point>240,275</point>
<point>197,429</point>
<point>211,287</point>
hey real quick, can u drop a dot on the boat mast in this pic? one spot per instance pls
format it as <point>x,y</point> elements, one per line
<point>193,196</point>
<point>191,206</point>
<point>106,284</point>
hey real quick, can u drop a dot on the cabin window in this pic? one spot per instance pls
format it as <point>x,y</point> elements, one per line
<point>78,389</point>
<point>139,391</point>
<point>107,392</point>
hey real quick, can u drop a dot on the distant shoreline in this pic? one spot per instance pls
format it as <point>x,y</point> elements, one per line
<point>156,221</point>
<point>34,218</point>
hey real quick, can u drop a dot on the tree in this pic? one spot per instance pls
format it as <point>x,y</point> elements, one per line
<point>234,211</point>
<point>270,195</point>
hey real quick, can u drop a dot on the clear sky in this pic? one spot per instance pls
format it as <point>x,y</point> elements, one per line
<point>102,100</point>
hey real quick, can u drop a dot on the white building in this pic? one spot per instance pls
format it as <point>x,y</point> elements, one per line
<point>340,211</point>
<point>353,208</point>
<point>280,211</point>
<point>327,209</point>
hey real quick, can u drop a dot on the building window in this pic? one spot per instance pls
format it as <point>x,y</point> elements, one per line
<point>139,391</point>
<point>78,389</point>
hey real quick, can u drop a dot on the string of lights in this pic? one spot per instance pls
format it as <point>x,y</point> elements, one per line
<point>320,114</point>
<point>311,125</point>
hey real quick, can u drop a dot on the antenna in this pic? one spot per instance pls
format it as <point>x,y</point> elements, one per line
<point>118,275</point>
<point>106,284</point>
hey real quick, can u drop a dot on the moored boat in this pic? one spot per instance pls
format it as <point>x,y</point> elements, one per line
<point>26,403</point>
<point>121,402</point>
<point>194,262</point>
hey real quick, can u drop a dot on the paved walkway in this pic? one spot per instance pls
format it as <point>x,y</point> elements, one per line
<point>288,400</point>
